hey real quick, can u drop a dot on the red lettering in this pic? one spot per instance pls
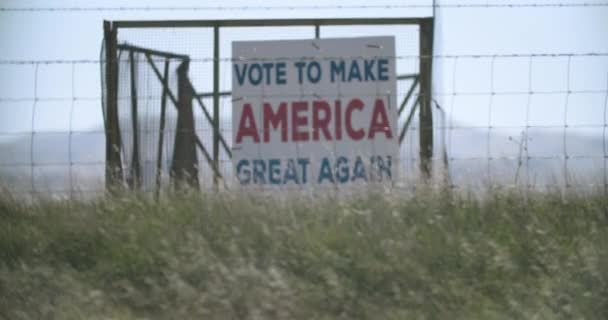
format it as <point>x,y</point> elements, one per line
<point>322,117</point>
<point>247,126</point>
<point>353,134</point>
<point>379,121</point>
<point>299,120</point>
<point>338,120</point>
<point>318,123</point>
<point>274,120</point>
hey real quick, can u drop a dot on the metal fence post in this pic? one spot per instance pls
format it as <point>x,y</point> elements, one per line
<point>425,114</point>
<point>184,168</point>
<point>134,177</point>
<point>161,132</point>
<point>113,170</point>
<point>216,103</point>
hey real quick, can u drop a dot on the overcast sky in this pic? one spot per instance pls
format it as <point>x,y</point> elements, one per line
<point>61,35</point>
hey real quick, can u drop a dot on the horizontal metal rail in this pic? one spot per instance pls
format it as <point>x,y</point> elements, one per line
<point>164,54</point>
<point>407,76</point>
<point>210,94</point>
<point>267,22</point>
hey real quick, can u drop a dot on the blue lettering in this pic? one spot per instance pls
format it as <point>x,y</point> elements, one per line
<point>267,66</point>
<point>259,167</point>
<point>386,168</point>
<point>359,171</point>
<point>311,78</point>
<point>354,72</point>
<point>342,170</point>
<point>281,73</point>
<point>325,172</point>
<point>274,171</point>
<point>304,163</point>
<point>383,70</point>
<point>253,80</point>
<point>300,65</point>
<point>243,174</point>
<point>290,172</point>
<point>240,76</point>
<point>367,66</point>
<point>337,70</point>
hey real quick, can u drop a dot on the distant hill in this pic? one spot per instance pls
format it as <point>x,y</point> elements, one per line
<point>468,153</point>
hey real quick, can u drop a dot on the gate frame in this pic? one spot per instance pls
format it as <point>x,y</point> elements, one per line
<point>423,79</point>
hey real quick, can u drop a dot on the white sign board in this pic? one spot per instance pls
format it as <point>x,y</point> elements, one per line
<point>310,113</point>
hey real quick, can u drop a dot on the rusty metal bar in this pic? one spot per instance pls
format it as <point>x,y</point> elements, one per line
<point>113,170</point>
<point>161,133</point>
<point>406,125</point>
<point>135,179</point>
<point>425,114</point>
<point>408,95</point>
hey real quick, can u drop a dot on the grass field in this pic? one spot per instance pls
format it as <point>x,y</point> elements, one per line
<point>382,256</point>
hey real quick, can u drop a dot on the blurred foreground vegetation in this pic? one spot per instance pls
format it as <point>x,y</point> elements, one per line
<point>382,256</point>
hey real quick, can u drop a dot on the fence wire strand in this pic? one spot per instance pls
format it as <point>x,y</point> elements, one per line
<point>441,4</point>
<point>328,58</point>
<point>522,159</point>
<point>605,176</point>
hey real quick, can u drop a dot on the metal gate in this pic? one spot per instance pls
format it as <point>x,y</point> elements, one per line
<point>148,154</point>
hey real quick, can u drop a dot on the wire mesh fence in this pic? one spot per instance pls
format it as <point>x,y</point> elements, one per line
<point>546,131</point>
<point>413,5</point>
<point>501,120</point>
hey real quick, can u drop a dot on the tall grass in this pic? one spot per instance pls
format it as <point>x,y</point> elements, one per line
<point>381,256</point>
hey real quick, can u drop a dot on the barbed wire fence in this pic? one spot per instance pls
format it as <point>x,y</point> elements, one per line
<point>571,174</point>
<point>35,168</point>
<point>511,151</point>
<point>438,4</point>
